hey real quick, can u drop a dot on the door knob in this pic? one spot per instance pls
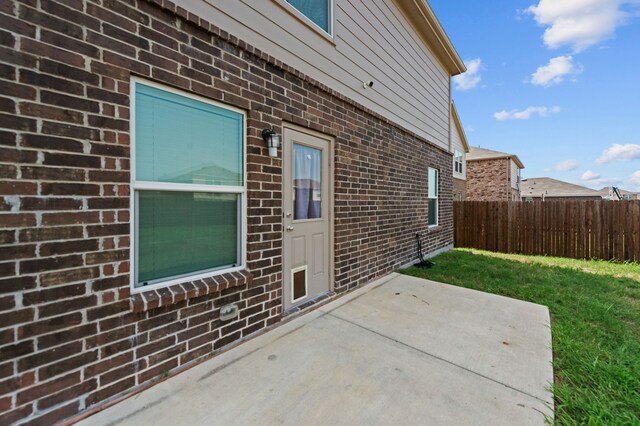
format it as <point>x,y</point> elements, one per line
<point>289,228</point>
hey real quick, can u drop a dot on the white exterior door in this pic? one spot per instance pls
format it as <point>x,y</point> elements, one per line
<point>307,221</point>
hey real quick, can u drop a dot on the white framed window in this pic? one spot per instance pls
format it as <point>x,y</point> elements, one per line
<point>188,186</point>
<point>319,12</point>
<point>433,184</point>
<point>458,161</point>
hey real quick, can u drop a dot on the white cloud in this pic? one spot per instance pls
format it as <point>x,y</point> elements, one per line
<point>634,180</point>
<point>619,152</point>
<point>471,78</point>
<point>595,180</point>
<point>590,175</point>
<point>599,183</point>
<point>566,166</point>
<point>526,113</point>
<point>580,23</point>
<point>555,71</point>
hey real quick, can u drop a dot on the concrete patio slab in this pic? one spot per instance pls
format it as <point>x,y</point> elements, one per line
<point>484,333</point>
<point>399,351</point>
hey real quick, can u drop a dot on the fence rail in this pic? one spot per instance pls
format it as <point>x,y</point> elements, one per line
<point>607,230</point>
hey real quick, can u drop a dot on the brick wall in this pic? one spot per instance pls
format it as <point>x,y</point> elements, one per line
<point>459,189</point>
<point>488,180</point>
<point>514,194</point>
<point>71,334</point>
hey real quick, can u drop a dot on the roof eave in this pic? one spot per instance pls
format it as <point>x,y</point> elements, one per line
<point>425,21</point>
<point>508,157</point>
<point>517,161</point>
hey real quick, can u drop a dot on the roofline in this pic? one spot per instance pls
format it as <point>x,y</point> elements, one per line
<point>499,157</point>
<point>585,191</point>
<point>456,120</point>
<point>420,14</point>
<point>517,160</point>
<point>561,195</point>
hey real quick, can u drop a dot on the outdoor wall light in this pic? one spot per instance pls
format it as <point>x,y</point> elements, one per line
<point>272,140</point>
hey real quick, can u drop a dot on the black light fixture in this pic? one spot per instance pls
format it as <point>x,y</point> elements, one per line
<point>273,141</point>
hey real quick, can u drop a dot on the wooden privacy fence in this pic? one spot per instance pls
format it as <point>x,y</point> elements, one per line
<point>604,229</point>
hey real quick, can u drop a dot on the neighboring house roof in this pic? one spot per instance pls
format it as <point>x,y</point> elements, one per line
<point>606,190</point>
<point>202,175</point>
<point>424,20</point>
<point>553,188</point>
<point>458,123</point>
<point>476,154</point>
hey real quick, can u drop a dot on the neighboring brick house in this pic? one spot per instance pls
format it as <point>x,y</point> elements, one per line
<point>493,175</point>
<point>139,195</point>
<point>460,149</point>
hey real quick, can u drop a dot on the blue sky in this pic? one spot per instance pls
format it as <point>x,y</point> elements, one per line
<point>553,81</point>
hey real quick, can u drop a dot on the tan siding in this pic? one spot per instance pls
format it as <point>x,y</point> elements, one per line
<point>373,41</point>
<point>402,39</point>
<point>456,144</point>
<point>379,37</point>
<point>514,174</point>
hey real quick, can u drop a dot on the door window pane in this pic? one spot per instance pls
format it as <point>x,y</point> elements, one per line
<point>307,182</point>
<point>184,232</point>
<point>183,140</point>
<point>318,11</point>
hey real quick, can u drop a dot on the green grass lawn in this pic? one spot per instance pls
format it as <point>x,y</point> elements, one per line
<point>595,315</point>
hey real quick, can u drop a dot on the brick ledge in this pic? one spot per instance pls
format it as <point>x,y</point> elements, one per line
<point>166,296</point>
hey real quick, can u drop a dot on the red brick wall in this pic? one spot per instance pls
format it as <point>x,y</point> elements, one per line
<point>514,194</point>
<point>71,334</point>
<point>488,180</point>
<point>459,189</point>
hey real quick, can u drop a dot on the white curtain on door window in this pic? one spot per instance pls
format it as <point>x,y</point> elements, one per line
<point>307,182</point>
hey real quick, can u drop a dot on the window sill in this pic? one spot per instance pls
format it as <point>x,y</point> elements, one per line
<point>170,295</point>
<point>432,228</point>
